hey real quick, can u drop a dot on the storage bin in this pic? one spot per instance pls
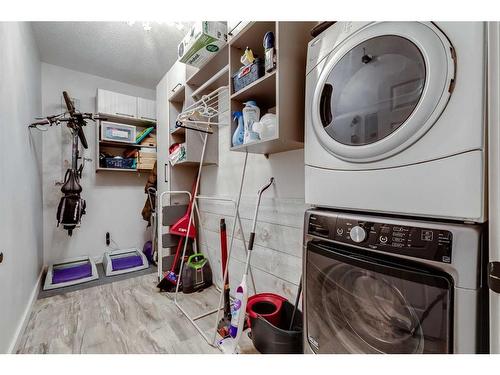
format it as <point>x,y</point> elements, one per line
<point>114,132</point>
<point>278,339</point>
<point>124,163</point>
<point>248,74</point>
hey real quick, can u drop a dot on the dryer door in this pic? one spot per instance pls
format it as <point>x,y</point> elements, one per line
<point>381,89</point>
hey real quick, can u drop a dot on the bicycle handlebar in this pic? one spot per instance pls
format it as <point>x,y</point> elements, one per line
<point>41,122</point>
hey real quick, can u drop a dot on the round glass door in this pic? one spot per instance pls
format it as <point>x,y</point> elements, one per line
<point>360,303</point>
<point>375,310</point>
<point>372,90</point>
<point>381,89</point>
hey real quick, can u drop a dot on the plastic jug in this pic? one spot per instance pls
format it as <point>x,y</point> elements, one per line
<point>251,114</point>
<point>240,131</point>
<point>266,127</point>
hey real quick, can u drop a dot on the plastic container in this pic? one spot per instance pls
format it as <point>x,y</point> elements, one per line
<point>277,339</point>
<point>248,74</point>
<point>267,305</point>
<point>120,163</point>
<point>114,132</point>
<point>251,114</point>
<point>196,274</point>
<point>266,127</point>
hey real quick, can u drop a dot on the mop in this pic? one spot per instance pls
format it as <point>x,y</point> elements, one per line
<point>230,344</point>
<point>225,322</point>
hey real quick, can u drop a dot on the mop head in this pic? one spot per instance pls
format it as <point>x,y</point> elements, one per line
<point>169,282</point>
<point>223,327</point>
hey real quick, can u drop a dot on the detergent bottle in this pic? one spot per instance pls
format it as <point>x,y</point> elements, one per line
<point>240,131</point>
<point>251,114</point>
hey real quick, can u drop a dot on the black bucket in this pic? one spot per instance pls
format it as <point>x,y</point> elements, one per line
<point>270,339</point>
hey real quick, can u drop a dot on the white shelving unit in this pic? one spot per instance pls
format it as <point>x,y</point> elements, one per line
<point>123,109</point>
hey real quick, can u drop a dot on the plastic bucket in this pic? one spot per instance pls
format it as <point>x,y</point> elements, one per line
<point>267,305</point>
<point>279,339</point>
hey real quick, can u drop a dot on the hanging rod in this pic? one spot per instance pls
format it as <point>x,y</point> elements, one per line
<point>202,114</point>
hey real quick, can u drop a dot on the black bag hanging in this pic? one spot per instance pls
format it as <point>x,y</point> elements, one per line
<point>71,206</point>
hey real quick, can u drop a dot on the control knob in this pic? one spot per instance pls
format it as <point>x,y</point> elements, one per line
<point>358,234</point>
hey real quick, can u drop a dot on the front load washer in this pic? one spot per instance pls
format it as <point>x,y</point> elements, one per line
<point>395,118</point>
<point>374,284</point>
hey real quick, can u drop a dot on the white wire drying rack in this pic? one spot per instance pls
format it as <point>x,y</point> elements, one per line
<point>201,116</point>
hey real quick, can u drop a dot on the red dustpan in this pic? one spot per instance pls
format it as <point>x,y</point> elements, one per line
<point>180,228</point>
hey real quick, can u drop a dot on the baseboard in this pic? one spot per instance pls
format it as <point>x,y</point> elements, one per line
<point>26,315</point>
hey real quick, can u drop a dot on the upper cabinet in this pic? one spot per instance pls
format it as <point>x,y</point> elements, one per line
<point>125,107</point>
<point>176,77</point>
<point>146,109</point>
<point>116,104</point>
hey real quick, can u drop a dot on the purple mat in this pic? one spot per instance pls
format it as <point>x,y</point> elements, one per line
<point>79,271</point>
<point>124,263</point>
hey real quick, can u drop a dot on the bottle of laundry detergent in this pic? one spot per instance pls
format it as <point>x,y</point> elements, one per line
<point>238,310</point>
<point>240,131</point>
<point>251,114</point>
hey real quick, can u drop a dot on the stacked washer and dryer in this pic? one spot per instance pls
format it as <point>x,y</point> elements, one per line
<point>395,166</point>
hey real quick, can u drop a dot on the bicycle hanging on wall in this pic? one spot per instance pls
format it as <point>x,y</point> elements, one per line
<point>71,206</point>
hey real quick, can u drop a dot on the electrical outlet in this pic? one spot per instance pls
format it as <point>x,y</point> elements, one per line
<point>108,238</point>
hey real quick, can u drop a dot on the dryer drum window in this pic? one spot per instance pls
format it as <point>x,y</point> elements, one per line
<point>372,90</point>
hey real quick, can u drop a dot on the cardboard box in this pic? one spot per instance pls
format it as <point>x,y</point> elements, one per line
<point>150,140</point>
<point>203,40</point>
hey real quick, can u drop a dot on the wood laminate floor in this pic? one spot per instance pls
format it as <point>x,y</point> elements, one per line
<point>127,316</point>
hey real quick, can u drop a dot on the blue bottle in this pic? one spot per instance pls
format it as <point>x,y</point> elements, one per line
<point>240,131</point>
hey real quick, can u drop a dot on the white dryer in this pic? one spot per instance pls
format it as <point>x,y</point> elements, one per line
<point>395,118</point>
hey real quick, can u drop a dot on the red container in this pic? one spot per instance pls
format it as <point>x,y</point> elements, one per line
<point>267,305</point>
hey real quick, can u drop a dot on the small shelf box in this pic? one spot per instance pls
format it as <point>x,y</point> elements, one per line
<point>111,131</point>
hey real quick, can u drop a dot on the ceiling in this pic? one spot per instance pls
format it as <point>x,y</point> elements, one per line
<point>121,51</point>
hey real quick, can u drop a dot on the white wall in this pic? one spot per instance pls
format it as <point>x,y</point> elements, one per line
<point>114,199</point>
<point>20,178</point>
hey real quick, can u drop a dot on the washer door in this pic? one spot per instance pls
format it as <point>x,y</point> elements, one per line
<point>358,304</point>
<point>382,89</point>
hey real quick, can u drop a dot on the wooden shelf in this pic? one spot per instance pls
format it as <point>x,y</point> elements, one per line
<point>268,146</point>
<point>219,79</point>
<point>281,91</point>
<point>211,67</point>
<point>178,131</point>
<point>123,145</point>
<point>178,96</point>
<point>262,90</point>
<point>128,120</point>
<point>189,164</point>
<point>116,169</point>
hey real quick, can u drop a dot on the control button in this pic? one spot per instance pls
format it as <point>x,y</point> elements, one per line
<point>357,234</point>
<point>340,231</point>
<point>427,235</point>
<point>383,239</point>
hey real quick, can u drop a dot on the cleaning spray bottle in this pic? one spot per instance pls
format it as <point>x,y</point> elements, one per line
<point>240,130</point>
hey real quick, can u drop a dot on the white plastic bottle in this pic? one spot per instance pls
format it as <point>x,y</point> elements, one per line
<point>251,114</point>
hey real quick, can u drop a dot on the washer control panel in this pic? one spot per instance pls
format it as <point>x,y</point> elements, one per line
<point>418,242</point>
